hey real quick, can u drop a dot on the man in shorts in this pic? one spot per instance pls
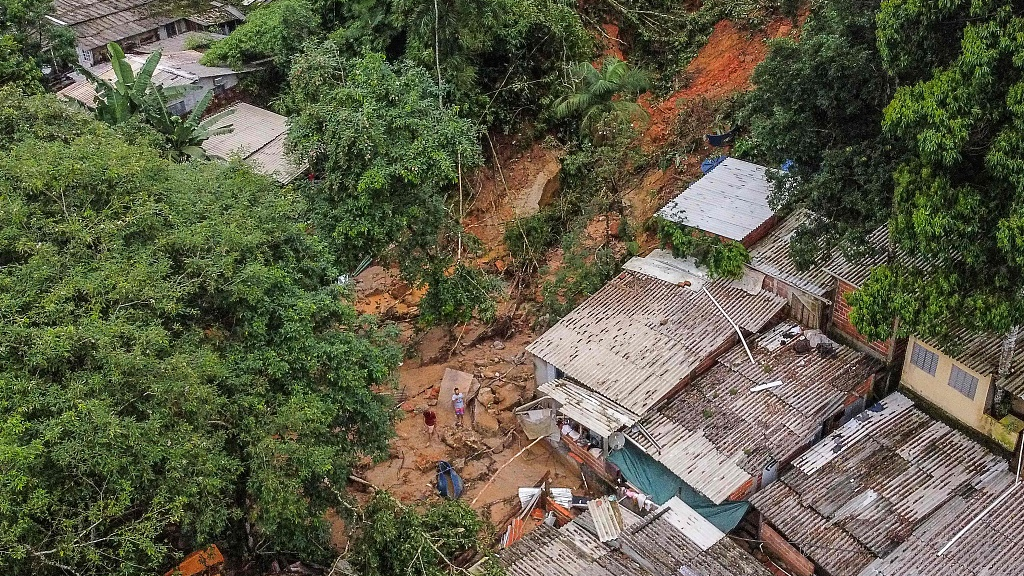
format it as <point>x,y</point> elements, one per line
<point>429,420</point>
<point>459,403</point>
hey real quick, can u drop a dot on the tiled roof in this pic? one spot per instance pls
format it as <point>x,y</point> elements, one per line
<point>730,201</point>
<point>863,490</point>
<point>637,337</point>
<point>771,256</point>
<point>257,138</point>
<point>717,434</point>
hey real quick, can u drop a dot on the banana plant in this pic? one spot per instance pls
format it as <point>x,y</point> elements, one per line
<point>184,137</point>
<point>130,93</point>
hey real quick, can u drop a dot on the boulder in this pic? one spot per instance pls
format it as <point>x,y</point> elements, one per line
<point>485,396</point>
<point>485,421</point>
<point>508,396</point>
<point>495,444</point>
<point>475,470</point>
<point>498,345</point>
<point>507,421</point>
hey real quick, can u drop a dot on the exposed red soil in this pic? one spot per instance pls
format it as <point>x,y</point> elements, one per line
<point>722,67</point>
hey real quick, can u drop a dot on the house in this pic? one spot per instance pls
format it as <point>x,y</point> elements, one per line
<point>729,431</point>
<point>258,139</point>
<point>850,274</point>
<point>671,541</point>
<point>884,491</point>
<point>176,68</point>
<point>730,201</point>
<point>959,377</point>
<point>809,292</point>
<point>636,342</point>
<point>132,23</point>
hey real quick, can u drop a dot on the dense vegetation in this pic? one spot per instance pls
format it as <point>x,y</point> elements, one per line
<point>179,363</point>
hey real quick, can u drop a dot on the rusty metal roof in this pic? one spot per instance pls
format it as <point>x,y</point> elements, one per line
<point>636,338</point>
<point>99,22</point>
<point>588,408</point>
<point>682,542</point>
<point>730,201</point>
<point>717,433</point>
<point>771,256</point>
<point>864,490</point>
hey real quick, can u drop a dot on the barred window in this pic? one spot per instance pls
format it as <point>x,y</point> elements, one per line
<point>963,382</point>
<point>924,359</point>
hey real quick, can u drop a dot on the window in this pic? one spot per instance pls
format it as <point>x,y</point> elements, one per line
<point>924,359</point>
<point>963,382</point>
<point>171,30</point>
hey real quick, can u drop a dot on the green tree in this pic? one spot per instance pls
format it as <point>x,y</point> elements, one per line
<point>819,101</point>
<point>393,539</point>
<point>959,195</point>
<point>595,93</point>
<point>184,137</point>
<point>177,364</point>
<point>29,41</point>
<point>388,159</point>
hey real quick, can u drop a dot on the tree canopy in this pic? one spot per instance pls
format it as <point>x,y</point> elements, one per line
<point>958,205</point>
<point>178,365</point>
<point>24,33</point>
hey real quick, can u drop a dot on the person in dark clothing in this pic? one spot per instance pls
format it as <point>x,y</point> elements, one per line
<point>429,420</point>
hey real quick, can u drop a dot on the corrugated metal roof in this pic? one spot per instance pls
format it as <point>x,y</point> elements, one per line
<point>661,264</point>
<point>636,338</point>
<point>99,22</point>
<point>730,201</point>
<point>717,434</point>
<point>855,271</point>
<point>658,542</point>
<point>606,517</point>
<point>771,255</point>
<point>175,69</point>
<point>865,489</point>
<point>588,408</point>
<point>258,139</point>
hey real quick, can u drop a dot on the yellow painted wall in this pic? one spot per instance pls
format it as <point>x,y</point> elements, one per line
<point>936,389</point>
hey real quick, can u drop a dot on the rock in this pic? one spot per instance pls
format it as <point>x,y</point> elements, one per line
<point>495,444</point>
<point>485,421</point>
<point>482,362</point>
<point>498,345</point>
<point>508,396</point>
<point>485,396</point>
<point>408,406</point>
<point>432,402</point>
<point>507,421</point>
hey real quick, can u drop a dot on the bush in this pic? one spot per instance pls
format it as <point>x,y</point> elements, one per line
<point>457,295</point>
<point>722,258</point>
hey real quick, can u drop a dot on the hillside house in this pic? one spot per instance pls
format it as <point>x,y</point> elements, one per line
<point>730,201</point>
<point>959,377</point>
<point>176,68</point>
<point>133,23</point>
<point>885,492</point>
<point>727,434</point>
<point>671,541</point>
<point>258,139</point>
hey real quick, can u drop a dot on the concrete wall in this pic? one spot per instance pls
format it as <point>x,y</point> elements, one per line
<point>937,391</point>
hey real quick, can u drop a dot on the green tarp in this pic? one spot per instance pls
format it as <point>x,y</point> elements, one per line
<point>661,484</point>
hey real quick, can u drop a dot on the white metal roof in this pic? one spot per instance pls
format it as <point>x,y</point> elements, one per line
<point>697,528</point>
<point>588,408</point>
<point>730,201</point>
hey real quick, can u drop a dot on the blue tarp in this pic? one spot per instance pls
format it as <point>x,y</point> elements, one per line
<point>661,484</point>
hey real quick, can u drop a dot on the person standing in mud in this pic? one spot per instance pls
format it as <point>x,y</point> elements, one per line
<point>429,421</point>
<point>459,403</point>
